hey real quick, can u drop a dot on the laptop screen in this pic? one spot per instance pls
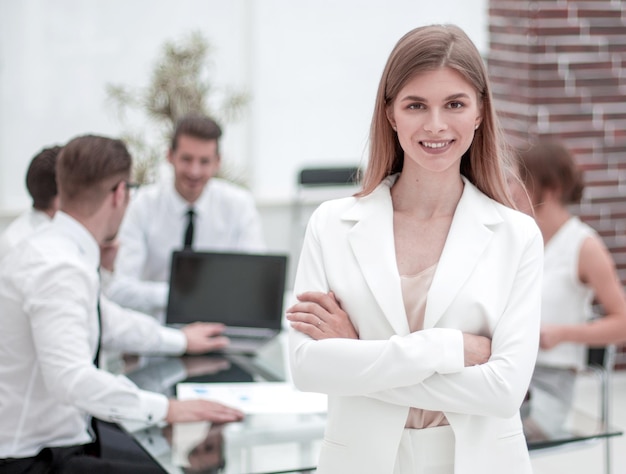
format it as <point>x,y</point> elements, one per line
<point>237,289</point>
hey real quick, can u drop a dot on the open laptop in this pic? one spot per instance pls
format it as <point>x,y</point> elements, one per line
<point>244,291</point>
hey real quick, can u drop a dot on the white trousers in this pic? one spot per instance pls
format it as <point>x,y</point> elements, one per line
<point>427,451</point>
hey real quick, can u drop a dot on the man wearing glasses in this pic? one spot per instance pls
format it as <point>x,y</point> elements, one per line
<point>54,322</point>
<point>42,187</point>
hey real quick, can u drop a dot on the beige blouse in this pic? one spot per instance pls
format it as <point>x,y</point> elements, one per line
<point>414,292</point>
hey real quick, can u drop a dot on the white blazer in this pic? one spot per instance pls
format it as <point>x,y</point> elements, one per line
<point>488,282</point>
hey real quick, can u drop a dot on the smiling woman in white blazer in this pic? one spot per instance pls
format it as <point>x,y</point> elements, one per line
<point>419,298</point>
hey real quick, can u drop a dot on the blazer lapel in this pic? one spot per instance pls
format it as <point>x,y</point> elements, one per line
<point>372,242</point>
<point>468,237</point>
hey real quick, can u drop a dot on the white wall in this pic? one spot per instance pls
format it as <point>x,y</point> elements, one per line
<point>56,57</point>
<point>316,68</point>
<point>311,67</point>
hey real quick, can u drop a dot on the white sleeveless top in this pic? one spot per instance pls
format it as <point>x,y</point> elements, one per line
<point>565,300</point>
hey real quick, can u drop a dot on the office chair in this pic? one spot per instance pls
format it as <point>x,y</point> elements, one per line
<point>600,363</point>
<point>341,176</point>
<point>315,185</point>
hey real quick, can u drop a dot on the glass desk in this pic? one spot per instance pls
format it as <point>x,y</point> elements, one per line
<point>283,443</point>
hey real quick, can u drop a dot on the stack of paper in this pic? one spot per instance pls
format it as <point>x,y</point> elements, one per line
<point>256,397</point>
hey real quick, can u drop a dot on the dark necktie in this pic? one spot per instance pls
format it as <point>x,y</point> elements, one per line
<point>191,214</point>
<point>96,358</point>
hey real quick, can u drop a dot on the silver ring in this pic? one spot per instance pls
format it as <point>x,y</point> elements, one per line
<point>319,322</point>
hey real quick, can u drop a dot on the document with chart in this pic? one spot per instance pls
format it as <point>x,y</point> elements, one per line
<point>256,397</point>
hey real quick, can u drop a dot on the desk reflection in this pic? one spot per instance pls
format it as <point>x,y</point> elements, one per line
<point>197,447</point>
<point>263,443</point>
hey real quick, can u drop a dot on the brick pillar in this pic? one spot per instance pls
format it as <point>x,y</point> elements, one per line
<point>558,69</point>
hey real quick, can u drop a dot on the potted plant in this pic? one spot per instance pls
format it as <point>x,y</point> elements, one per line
<point>180,83</point>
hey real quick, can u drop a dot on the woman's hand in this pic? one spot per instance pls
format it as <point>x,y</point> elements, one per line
<point>319,316</point>
<point>476,349</point>
<point>550,336</point>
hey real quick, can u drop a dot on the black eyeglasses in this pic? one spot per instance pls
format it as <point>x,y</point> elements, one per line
<point>130,186</point>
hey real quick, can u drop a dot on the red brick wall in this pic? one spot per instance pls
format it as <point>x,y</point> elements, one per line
<point>558,69</point>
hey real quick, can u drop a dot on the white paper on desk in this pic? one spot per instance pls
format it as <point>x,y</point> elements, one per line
<point>256,397</point>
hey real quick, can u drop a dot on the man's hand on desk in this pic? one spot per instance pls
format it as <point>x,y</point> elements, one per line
<point>184,411</point>
<point>204,337</point>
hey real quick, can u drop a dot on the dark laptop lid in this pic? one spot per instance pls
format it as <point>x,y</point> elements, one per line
<point>237,289</point>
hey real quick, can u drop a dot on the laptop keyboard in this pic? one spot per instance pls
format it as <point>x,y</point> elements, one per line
<point>248,333</point>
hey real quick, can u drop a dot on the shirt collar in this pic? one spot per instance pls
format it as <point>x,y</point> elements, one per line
<point>181,206</point>
<point>40,215</point>
<point>79,234</point>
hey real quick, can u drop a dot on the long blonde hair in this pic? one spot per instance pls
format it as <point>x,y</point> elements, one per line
<point>427,48</point>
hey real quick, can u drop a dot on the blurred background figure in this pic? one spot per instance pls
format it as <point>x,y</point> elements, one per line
<point>42,187</point>
<point>55,322</point>
<point>578,269</point>
<point>195,210</point>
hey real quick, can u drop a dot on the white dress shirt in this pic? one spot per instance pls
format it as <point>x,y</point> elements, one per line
<point>48,310</point>
<point>23,226</point>
<point>226,220</point>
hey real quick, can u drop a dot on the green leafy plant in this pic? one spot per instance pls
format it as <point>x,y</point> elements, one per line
<point>180,83</point>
